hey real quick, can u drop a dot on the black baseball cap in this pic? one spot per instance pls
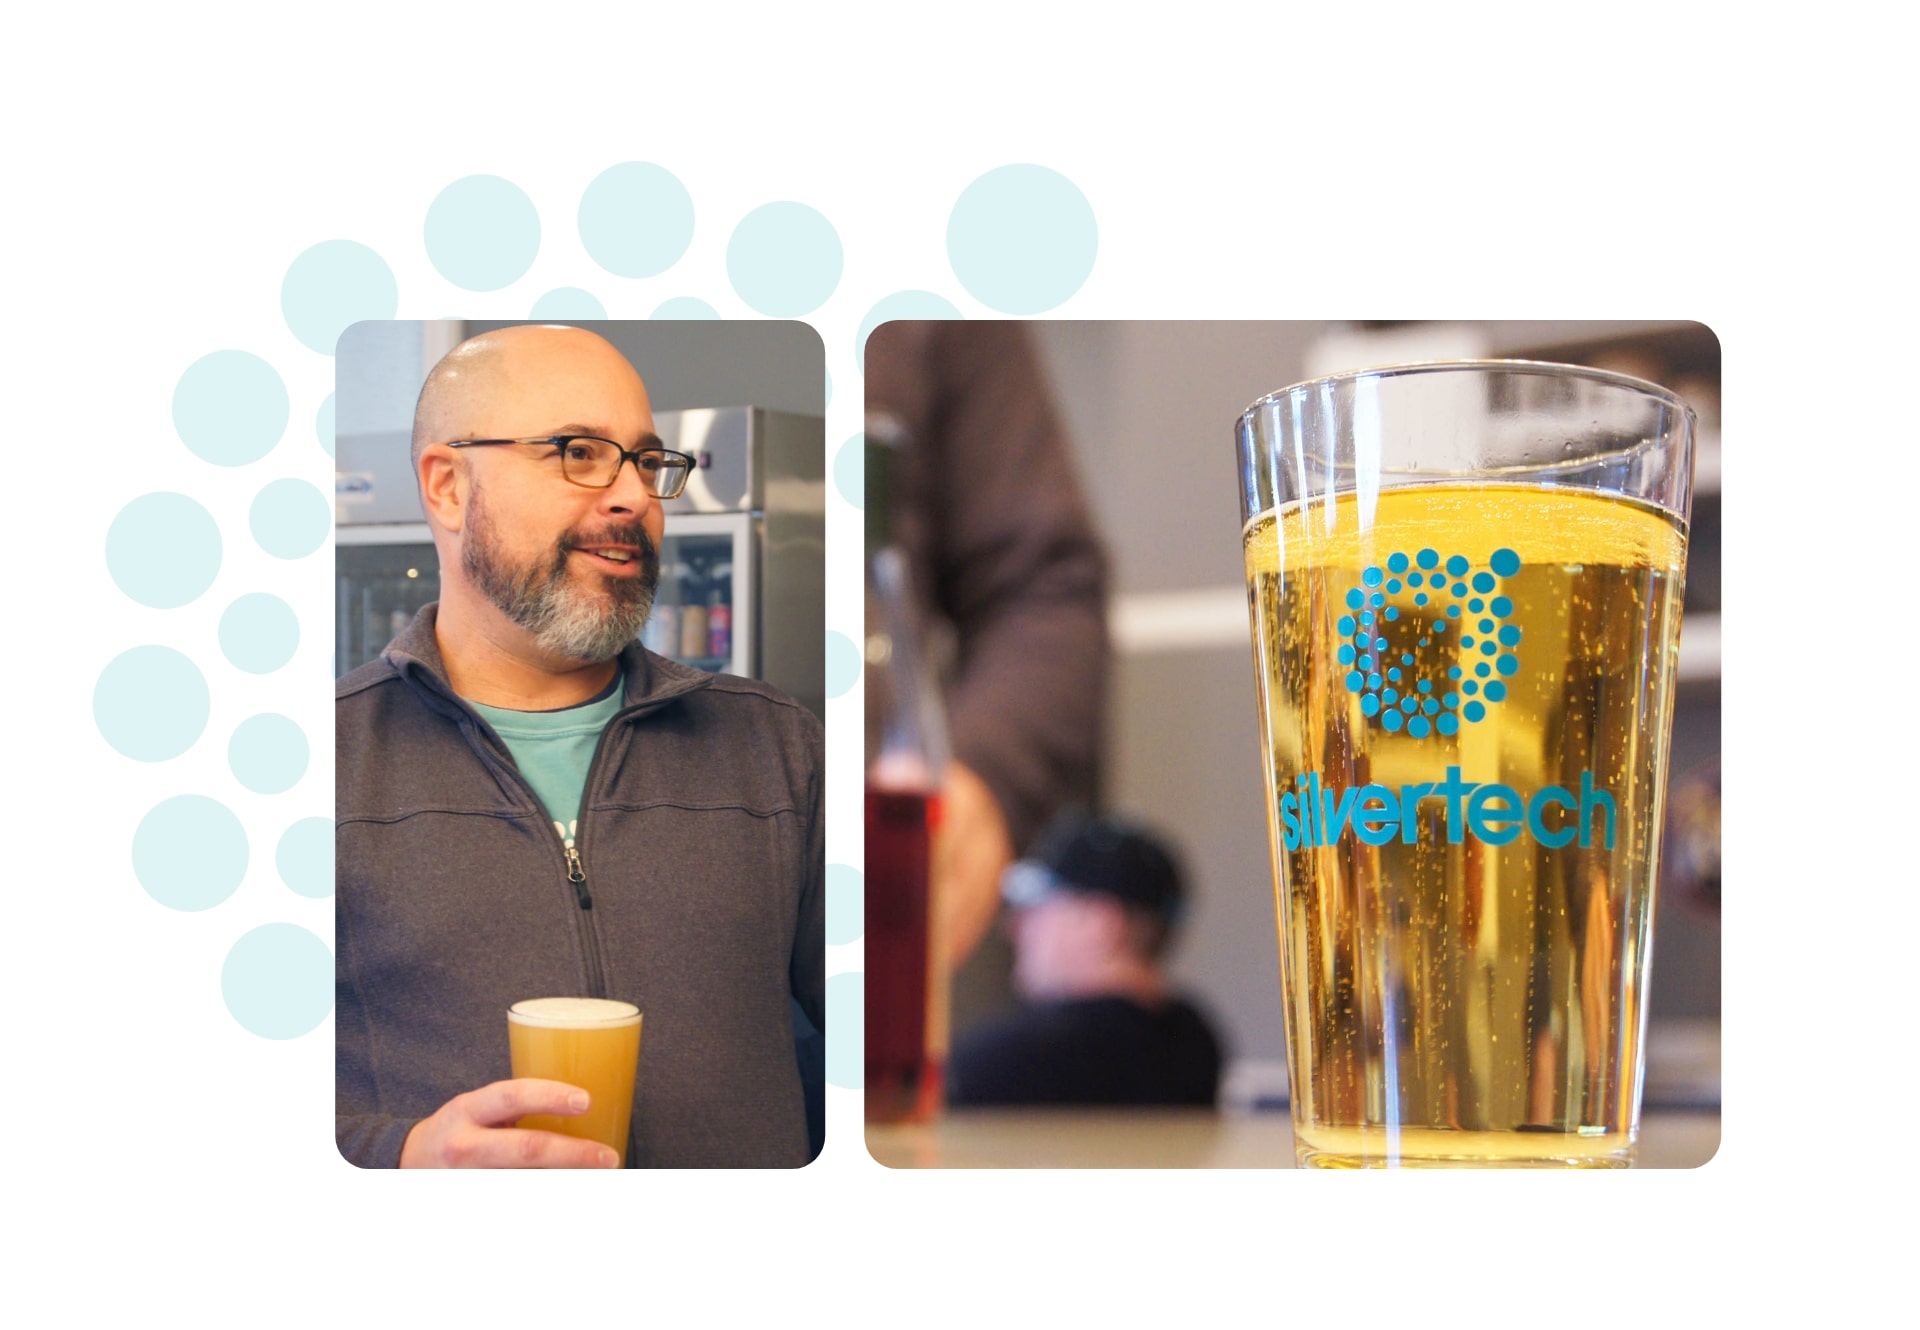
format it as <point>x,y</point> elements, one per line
<point>1098,856</point>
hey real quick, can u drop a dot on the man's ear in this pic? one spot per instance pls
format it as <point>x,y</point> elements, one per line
<point>444,486</point>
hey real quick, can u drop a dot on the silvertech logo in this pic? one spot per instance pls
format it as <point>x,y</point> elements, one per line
<point>1445,660</point>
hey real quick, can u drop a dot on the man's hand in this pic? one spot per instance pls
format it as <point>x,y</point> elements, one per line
<point>473,1130</point>
<point>971,849</point>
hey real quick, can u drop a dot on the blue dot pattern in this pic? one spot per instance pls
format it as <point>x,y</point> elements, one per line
<point>190,852</point>
<point>1401,699</point>
<point>482,233</point>
<point>163,550</point>
<point>850,470</point>
<point>278,981</point>
<point>151,703</point>
<point>333,286</point>
<point>230,408</point>
<point>258,633</point>
<point>843,663</point>
<point>567,304</point>
<point>636,219</point>
<point>268,754</point>
<point>1022,239</point>
<point>846,904</point>
<point>847,1018</point>
<point>304,857</point>
<point>290,519</point>
<point>784,259</point>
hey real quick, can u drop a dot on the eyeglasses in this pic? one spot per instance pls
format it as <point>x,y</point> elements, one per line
<point>595,463</point>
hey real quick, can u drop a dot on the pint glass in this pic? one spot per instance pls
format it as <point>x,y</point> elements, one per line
<point>592,1043</point>
<point>1465,583</point>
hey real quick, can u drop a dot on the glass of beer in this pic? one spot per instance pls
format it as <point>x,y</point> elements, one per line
<point>592,1043</point>
<point>1465,584</point>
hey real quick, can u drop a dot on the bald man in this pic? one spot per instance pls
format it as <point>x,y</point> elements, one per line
<point>529,804</point>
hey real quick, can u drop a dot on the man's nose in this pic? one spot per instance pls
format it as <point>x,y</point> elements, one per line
<point>629,493</point>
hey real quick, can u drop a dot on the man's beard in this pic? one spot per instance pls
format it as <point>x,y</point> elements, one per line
<point>564,619</point>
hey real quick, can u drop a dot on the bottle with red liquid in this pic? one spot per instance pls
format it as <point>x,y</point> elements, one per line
<point>906,970</point>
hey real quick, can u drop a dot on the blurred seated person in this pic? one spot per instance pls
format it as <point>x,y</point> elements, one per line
<point>1091,913</point>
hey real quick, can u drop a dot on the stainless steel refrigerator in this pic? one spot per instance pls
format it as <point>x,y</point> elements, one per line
<point>742,586</point>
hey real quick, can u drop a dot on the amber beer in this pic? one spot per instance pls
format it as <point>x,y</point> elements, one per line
<point>592,1043</point>
<point>1465,692</point>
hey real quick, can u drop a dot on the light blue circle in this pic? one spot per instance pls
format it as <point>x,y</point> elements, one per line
<point>163,550</point>
<point>1397,562</point>
<point>1418,727</point>
<point>1474,711</point>
<point>784,259</point>
<point>1449,724</point>
<point>1371,577</point>
<point>901,305</point>
<point>1393,612</point>
<point>1345,625</point>
<point>230,408</point>
<point>1370,705</point>
<point>258,633</point>
<point>1355,598</point>
<point>323,424</point>
<point>1496,691</point>
<point>305,857</point>
<point>331,287</point>
<point>846,904</point>
<point>151,703</point>
<point>1501,606</point>
<point>1457,565</point>
<point>1507,665</point>
<point>1482,582</point>
<point>1345,654</point>
<point>847,1018</point>
<point>1509,636</point>
<point>1356,681</point>
<point>1427,558</point>
<point>268,753</point>
<point>278,981</point>
<point>1393,720</point>
<point>636,219</point>
<point>290,519</point>
<point>850,470</point>
<point>566,304</point>
<point>685,307</point>
<point>1022,239</point>
<point>482,233</point>
<point>190,852</point>
<point>843,663</point>
<point>1505,562</point>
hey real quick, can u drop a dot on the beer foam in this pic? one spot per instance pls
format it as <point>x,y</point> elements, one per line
<point>573,1012</point>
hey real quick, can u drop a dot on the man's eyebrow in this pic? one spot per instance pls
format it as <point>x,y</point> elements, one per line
<point>601,432</point>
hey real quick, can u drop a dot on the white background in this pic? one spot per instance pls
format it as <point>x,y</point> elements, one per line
<point>165,165</point>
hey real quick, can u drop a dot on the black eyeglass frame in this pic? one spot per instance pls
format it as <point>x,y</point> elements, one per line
<point>560,442</point>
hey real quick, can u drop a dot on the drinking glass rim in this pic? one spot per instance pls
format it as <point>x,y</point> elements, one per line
<point>608,1018</point>
<point>1540,367</point>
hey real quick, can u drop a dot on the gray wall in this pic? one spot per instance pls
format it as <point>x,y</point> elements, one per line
<point>691,363</point>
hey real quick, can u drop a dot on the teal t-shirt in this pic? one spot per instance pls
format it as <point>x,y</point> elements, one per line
<point>554,749</point>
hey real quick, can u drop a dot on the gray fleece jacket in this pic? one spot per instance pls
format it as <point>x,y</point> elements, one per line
<point>701,844</point>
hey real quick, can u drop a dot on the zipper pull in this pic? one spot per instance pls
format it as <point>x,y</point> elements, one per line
<point>578,876</point>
